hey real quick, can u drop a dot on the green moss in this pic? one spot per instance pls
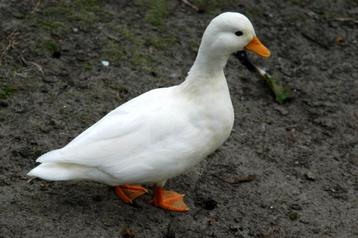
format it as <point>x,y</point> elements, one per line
<point>89,5</point>
<point>156,11</point>
<point>19,14</point>
<point>293,215</point>
<point>298,2</point>
<point>46,45</point>
<point>112,51</point>
<point>194,46</point>
<point>161,42</point>
<point>56,19</point>
<point>60,15</point>
<point>49,45</point>
<point>127,44</point>
<point>129,35</point>
<point>133,55</point>
<point>6,91</point>
<point>254,12</point>
<point>55,9</point>
<point>87,66</point>
<point>90,12</point>
<point>141,60</point>
<point>136,56</point>
<point>53,26</point>
<point>211,6</point>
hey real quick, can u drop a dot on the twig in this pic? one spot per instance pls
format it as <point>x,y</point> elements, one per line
<point>346,19</point>
<point>31,179</point>
<point>36,7</point>
<point>112,37</point>
<point>196,8</point>
<point>37,66</point>
<point>237,180</point>
<point>10,45</point>
<point>319,43</point>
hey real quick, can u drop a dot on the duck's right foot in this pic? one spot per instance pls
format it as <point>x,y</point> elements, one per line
<point>169,200</point>
<point>127,193</point>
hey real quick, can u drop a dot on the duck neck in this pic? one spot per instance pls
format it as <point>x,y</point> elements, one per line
<point>208,67</point>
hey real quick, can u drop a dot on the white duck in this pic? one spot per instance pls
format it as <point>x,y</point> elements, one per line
<point>164,132</point>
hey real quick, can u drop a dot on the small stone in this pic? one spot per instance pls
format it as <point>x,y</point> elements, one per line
<point>43,186</point>
<point>325,122</point>
<point>44,128</point>
<point>105,63</point>
<point>211,221</point>
<point>340,40</point>
<point>263,127</point>
<point>128,233</point>
<point>296,207</point>
<point>312,14</point>
<point>19,108</point>
<point>233,228</point>
<point>283,111</point>
<point>310,176</point>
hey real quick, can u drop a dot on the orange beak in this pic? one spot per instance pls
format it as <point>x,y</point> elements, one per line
<point>257,47</point>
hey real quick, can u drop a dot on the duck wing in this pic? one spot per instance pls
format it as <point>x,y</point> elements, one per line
<point>132,132</point>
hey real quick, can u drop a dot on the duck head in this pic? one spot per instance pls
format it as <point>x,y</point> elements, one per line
<point>226,34</point>
<point>231,32</point>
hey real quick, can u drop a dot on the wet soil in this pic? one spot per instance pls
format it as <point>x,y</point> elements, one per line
<point>300,159</point>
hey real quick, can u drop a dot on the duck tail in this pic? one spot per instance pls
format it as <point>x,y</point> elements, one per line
<point>50,156</point>
<point>59,171</point>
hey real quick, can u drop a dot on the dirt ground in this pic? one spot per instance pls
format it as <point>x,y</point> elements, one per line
<point>302,155</point>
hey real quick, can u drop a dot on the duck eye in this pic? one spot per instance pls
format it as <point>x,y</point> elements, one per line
<point>239,33</point>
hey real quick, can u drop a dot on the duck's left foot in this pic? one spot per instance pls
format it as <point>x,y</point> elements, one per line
<point>127,193</point>
<point>169,200</point>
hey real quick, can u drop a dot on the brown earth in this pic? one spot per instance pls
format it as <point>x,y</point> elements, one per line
<point>303,154</point>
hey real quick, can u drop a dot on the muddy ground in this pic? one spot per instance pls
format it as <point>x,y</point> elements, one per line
<point>303,155</point>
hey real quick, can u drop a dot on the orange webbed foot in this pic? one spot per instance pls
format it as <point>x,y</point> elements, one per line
<point>127,193</point>
<point>169,200</point>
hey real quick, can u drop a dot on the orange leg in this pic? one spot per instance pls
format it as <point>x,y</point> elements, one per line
<point>169,200</point>
<point>127,193</point>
